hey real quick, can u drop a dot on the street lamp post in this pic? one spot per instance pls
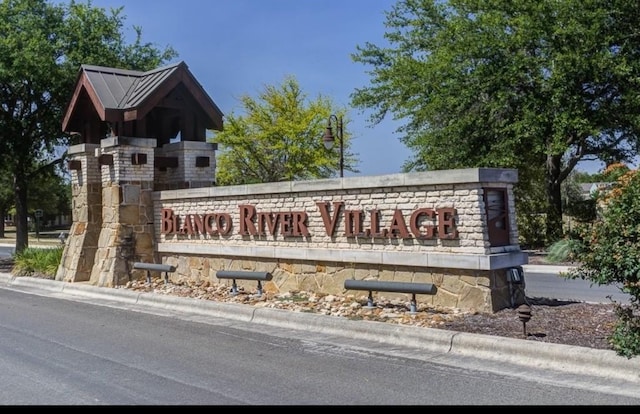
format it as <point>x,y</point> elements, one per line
<point>329,139</point>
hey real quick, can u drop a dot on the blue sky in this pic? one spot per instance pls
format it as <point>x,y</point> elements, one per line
<point>236,47</point>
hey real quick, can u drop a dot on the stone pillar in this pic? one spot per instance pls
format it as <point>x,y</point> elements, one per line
<point>194,165</point>
<point>127,233</point>
<point>86,205</point>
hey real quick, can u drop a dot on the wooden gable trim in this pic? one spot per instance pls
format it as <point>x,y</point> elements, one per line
<point>97,103</point>
<point>130,115</point>
<point>71,107</point>
<point>83,84</point>
<point>212,114</point>
<point>113,115</point>
<point>208,106</point>
<point>181,75</point>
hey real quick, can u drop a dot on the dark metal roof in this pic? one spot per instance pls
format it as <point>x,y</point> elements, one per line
<point>125,89</point>
<point>120,94</point>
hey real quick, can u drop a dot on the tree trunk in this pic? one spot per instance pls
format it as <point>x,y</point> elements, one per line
<point>554,231</point>
<point>22,212</point>
<point>3,214</point>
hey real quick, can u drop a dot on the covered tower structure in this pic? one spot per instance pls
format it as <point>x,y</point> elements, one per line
<point>133,133</point>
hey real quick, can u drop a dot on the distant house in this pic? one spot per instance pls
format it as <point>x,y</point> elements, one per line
<point>589,190</point>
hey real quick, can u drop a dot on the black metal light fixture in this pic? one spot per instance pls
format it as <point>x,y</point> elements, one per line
<point>524,314</point>
<point>329,139</point>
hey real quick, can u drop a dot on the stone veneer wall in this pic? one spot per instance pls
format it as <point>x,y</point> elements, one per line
<point>187,174</point>
<point>126,234</point>
<point>112,207</point>
<point>117,221</point>
<point>468,272</point>
<point>86,202</point>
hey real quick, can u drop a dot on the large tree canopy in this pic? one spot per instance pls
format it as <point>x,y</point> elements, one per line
<point>279,138</point>
<point>41,49</point>
<point>509,83</point>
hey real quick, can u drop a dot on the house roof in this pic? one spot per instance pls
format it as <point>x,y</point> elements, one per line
<point>589,189</point>
<point>120,94</point>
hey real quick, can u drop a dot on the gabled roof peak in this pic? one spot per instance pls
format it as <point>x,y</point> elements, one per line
<point>123,95</point>
<point>129,72</point>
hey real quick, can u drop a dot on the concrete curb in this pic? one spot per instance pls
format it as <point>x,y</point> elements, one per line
<point>434,340</point>
<point>556,357</point>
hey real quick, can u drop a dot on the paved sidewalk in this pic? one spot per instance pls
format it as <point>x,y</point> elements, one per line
<point>46,239</point>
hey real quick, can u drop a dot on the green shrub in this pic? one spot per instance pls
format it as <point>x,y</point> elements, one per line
<point>40,261</point>
<point>609,254</point>
<point>531,230</point>
<point>583,211</point>
<point>625,339</point>
<point>565,250</point>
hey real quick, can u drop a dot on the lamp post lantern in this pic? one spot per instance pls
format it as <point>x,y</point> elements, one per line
<point>329,139</point>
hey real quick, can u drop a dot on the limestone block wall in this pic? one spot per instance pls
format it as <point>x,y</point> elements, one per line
<point>485,291</point>
<point>311,235</point>
<point>86,201</point>
<point>305,233</point>
<point>196,165</point>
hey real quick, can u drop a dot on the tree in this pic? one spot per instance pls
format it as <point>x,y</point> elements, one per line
<point>583,177</point>
<point>279,139</point>
<point>530,210</point>
<point>41,49</point>
<point>576,206</point>
<point>50,192</point>
<point>517,84</point>
<point>608,252</point>
<point>6,198</point>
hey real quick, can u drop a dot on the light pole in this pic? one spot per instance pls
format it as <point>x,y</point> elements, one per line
<point>329,139</point>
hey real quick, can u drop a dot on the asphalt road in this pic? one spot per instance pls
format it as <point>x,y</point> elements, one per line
<point>6,251</point>
<point>78,350</point>
<point>547,282</point>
